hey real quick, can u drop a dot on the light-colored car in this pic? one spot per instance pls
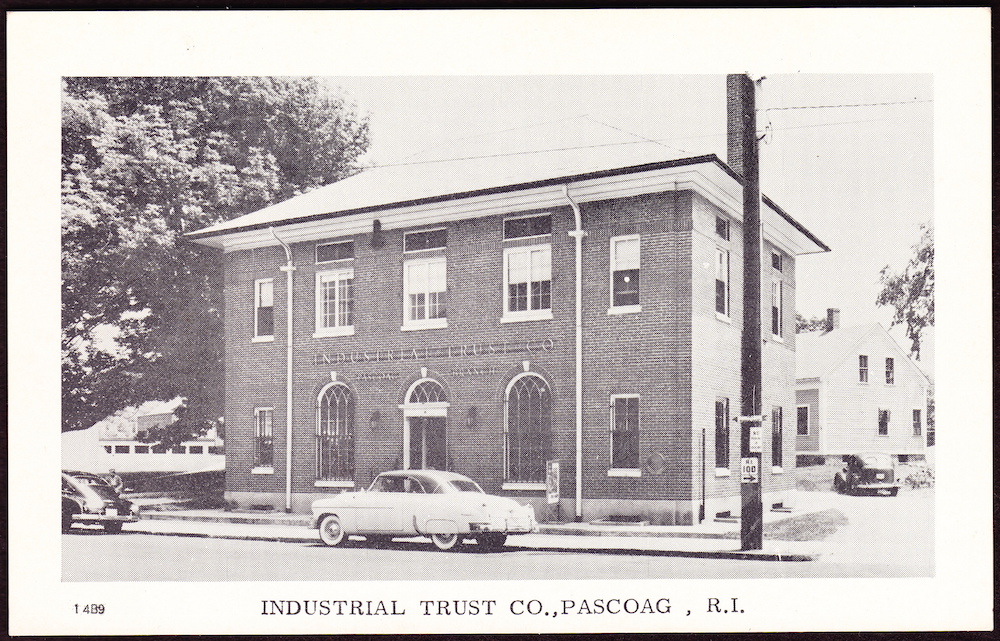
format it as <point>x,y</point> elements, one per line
<point>89,500</point>
<point>445,506</point>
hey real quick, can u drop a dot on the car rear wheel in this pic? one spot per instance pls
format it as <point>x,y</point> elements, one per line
<point>330,530</point>
<point>446,541</point>
<point>838,484</point>
<point>893,491</point>
<point>113,527</point>
<point>492,540</point>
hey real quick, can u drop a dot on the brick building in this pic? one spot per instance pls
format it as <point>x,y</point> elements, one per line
<point>433,310</point>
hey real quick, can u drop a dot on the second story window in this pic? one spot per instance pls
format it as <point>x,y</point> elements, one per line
<point>722,227</point>
<point>527,226</point>
<point>776,261</point>
<point>721,281</point>
<point>425,296</point>
<point>263,317</point>
<point>918,424</point>
<point>862,368</point>
<point>421,240</point>
<point>330,252</point>
<point>528,282</point>
<point>890,371</point>
<point>777,317</point>
<point>625,272</point>
<point>335,303</point>
<point>883,422</point>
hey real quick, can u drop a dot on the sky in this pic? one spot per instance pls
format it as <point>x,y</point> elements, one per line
<point>858,175</point>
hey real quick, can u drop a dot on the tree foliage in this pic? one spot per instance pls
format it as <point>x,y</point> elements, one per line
<point>911,292</point>
<point>145,160</point>
<point>803,324</point>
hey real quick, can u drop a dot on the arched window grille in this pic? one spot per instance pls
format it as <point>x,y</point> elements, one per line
<point>527,434</point>
<point>335,434</point>
<point>428,392</point>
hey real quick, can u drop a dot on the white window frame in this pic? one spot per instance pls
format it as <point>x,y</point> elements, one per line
<point>922,425</point>
<point>427,249</point>
<point>621,471</point>
<point>262,338</point>
<point>335,260</point>
<point>808,412</point>
<point>324,277</point>
<point>262,469</point>
<point>777,290</point>
<point>425,323</point>
<point>614,266</point>
<point>529,314</point>
<point>890,370</point>
<point>503,229</point>
<point>722,253</point>
<point>866,368</point>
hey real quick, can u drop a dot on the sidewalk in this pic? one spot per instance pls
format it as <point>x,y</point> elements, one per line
<point>707,540</point>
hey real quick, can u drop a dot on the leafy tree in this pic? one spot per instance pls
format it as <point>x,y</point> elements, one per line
<point>911,292</point>
<point>145,160</point>
<point>803,324</point>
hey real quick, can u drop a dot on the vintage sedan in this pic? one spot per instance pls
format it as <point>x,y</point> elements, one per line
<point>445,506</point>
<point>88,499</point>
<point>867,472</point>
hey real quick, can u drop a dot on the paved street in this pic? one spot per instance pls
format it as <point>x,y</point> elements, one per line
<point>886,537</point>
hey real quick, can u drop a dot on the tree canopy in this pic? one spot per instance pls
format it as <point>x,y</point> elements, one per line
<point>803,324</point>
<point>145,160</point>
<point>911,292</point>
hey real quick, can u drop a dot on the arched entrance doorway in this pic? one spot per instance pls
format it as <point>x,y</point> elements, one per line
<point>425,438</point>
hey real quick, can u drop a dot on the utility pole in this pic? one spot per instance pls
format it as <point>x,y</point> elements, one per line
<point>751,503</point>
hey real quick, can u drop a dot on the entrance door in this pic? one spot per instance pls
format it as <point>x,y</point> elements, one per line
<point>427,443</point>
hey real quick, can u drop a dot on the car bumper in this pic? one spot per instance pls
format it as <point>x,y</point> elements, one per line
<point>522,525</point>
<point>104,518</point>
<point>876,486</point>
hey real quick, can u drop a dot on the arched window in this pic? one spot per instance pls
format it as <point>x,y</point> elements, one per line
<point>427,391</point>
<point>335,434</point>
<point>527,433</point>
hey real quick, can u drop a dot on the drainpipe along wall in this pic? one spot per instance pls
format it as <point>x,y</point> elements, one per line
<point>578,234</point>
<point>288,268</point>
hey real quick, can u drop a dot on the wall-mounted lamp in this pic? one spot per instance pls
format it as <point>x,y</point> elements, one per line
<point>378,241</point>
<point>375,420</point>
<point>471,417</point>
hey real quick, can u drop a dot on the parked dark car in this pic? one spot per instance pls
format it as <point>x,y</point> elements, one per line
<point>87,498</point>
<point>867,472</point>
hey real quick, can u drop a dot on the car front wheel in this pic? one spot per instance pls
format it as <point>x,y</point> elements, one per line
<point>330,530</point>
<point>446,541</point>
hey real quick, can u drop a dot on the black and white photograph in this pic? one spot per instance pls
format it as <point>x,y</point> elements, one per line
<point>570,339</point>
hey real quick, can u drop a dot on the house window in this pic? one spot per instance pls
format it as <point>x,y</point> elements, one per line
<point>330,252</point>
<point>142,449</point>
<point>527,433</point>
<point>777,317</point>
<point>918,425</point>
<point>721,281</point>
<point>625,271</point>
<point>862,368</point>
<point>335,434</point>
<point>107,448</point>
<point>196,449</point>
<point>625,432</point>
<point>422,240</point>
<point>776,261</point>
<point>802,420</point>
<point>335,303</point>
<point>883,422</point>
<point>160,448</point>
<point>777,436</point>
<point>722,433</point>
<point>263,450</point>
<point>122,449</point>
<point>425,298</point>
<point>890,371</point>
<point>263,318</point>
<point>722,227</point>
<point>527,226</point>
<point>528,280</point>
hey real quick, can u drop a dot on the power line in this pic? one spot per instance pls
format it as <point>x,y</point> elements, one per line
<point>858,104</point>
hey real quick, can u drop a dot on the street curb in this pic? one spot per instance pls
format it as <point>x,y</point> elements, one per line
<point>697,554</point>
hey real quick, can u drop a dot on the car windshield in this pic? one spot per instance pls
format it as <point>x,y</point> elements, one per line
<point>98,486</point>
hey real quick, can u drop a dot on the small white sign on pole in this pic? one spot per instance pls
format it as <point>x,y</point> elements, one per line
<point>552,482</point>
<point>749,470</point>
<point>756,440</point>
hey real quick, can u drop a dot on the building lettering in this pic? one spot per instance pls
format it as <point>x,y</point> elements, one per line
<point>423,353</point>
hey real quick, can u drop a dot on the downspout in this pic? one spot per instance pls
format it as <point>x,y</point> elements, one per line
<point>578,234</point>
<point>289,268</point>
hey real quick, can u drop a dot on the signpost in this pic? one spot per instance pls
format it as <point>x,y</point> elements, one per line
<point>552,484</point>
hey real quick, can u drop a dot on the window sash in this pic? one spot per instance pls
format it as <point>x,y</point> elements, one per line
<point>527,226</point>
<point>335,435</point>
<point>625,265</point>
<point>263,437</point>
<point>862,368</point>
<point>264,308</point>
<point>528,430</point>
<point>426,239</point>
<point>625,432</point>
<point>722,281</point>
<point>802,420</point>
<point>722,227</point>
<point>334,299</point>
<point>329,252</point>
<point>426,285</point>
<point>883,422</point>
<point>890,371</point>
<point>777,317</point>
<point>777,436</point>
<point>529,278</point>
<point>917,422</point>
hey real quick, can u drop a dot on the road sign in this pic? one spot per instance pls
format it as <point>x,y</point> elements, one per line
<point>756,440</point>
<point>749,470</point>
<point>552,481</point>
